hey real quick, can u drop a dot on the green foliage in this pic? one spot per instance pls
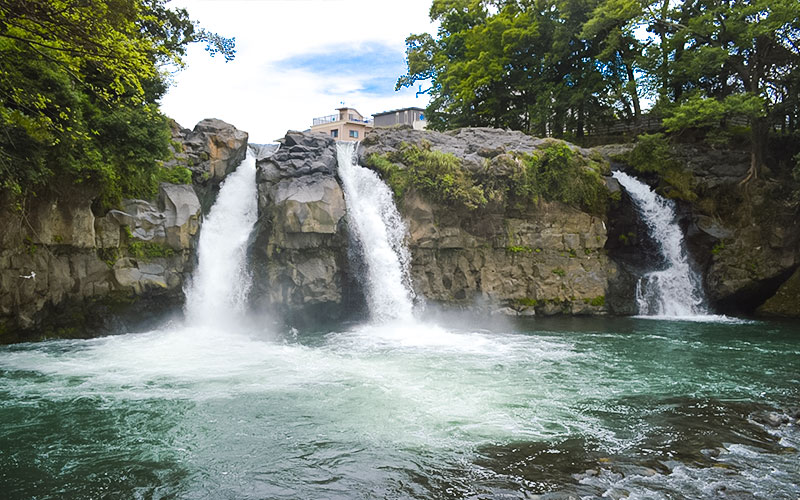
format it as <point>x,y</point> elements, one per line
<point>440,175</point>
<point>627,239</point>
<point>109,255</point>
<point>148,250</point>
<point>562,68</point>
<point>555,173</point>
<point>526,302</point>
<point>697,111</point>
<point>520,65</point>
<point>653,154</point>
<point>718,248</point>
<point>79,87</point>
<point>174,175</point>
<point>518,249</point>
<point>559,272</point>
<point>598,301</point>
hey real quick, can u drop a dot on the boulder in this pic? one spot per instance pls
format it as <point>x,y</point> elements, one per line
<point>786,301</point>
<point>299,253</point>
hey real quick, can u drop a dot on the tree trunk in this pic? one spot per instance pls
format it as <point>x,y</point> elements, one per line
<point>632,90</point>
<point>759,135</point>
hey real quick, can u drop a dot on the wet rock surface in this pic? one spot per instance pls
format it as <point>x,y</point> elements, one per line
<point>694,448</point>
<point>211,151</point>
<point>299,250</point>
<point>66,272</point>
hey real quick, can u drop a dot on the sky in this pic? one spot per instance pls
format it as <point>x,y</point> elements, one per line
<point>296,60</point>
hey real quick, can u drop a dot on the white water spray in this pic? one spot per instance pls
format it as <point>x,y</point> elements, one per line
<point>674,291</point>
<point>221,281</point>
<point>380,231</point>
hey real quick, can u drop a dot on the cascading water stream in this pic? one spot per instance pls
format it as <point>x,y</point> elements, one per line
<point>379,230</point>
<point>674,291</point>
<point>221,280</point>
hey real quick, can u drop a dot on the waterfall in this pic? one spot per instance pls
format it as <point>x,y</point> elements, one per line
<point>221,281</point>
<point>380,232</point>
<point>674,290</point>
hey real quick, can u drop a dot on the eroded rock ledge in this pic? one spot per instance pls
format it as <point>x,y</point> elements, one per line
<point>64,271</point>
<point>547,261</point>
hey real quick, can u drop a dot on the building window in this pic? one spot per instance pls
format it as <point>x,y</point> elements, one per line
<point>354,133</point>
<point>334,133</point>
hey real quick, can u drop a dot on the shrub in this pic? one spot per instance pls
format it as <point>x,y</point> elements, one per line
<point>440,175</point>
<point>653,154</point>
<point>556,173</point>
<point>148,250</point>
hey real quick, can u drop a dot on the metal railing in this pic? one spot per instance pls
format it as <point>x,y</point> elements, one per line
<point>325,119</point>
<point>322,120</point>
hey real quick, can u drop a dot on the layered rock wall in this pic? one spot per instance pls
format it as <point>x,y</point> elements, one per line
<point>548,260</point>
<point>65,271</point>
<point>299,251</point>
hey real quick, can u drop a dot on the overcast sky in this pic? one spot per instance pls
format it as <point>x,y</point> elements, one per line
<point>296,60</point>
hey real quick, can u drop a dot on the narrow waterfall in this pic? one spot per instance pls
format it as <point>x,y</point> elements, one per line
<point>379,230</point>
<point>221,280</point>
<point>675,290</point>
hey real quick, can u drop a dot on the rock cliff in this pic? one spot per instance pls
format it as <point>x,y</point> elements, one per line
<point>299,248</point>
<point>66,271</point>
<point>547,260</point>
<point>744,239</point>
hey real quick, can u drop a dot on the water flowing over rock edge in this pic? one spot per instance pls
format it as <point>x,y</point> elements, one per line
<point>301,245</point>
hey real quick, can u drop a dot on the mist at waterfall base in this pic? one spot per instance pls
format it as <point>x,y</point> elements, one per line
<point>393,407</point>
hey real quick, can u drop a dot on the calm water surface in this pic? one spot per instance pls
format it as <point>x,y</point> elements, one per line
<point>587,408</point>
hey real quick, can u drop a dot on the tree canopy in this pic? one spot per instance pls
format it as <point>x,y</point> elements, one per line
<point>79,84</point>
<point>567,67</point>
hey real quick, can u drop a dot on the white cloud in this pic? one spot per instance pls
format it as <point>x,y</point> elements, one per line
<point>260,93</point>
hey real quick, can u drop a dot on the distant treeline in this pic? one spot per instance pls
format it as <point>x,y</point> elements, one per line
<point>567,68</point>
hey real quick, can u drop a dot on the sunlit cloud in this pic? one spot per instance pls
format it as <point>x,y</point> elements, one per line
<point>296,60</point>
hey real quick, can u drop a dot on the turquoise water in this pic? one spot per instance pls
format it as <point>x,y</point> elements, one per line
<point>625,407</point>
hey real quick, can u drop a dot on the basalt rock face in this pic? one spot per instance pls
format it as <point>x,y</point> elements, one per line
<point>69,273</point>
<point>547,259</point>
<point>64,271</point>
<point>211,151</point>
<point>299,250</point>
<point>745,240</point>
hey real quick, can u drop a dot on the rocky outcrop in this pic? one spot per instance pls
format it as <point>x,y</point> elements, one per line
<point>745,240</point>
<point>299,251</point>
<point>212,150</point>
<point>68,264</point>
<point>786,301</point>
<point>549,260</point>
<point>546,259</point>
<point>66,272</point>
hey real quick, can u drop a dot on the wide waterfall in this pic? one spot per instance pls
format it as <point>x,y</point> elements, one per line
<point>222,281</point>
<point>675,290</point>
<point>380,232</point>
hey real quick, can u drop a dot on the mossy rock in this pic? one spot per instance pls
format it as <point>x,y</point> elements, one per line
<point>786,301</point>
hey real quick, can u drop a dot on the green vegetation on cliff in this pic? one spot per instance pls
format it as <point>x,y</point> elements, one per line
<point>652,154</point>
<point>79,85</point>
<point>553,173</point>
<point>556,173</point>
<point>440,175</point>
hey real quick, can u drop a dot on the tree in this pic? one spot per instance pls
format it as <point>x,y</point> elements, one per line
<point>516,64</point>
<point>744,55</point>
<point>79,83</point>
